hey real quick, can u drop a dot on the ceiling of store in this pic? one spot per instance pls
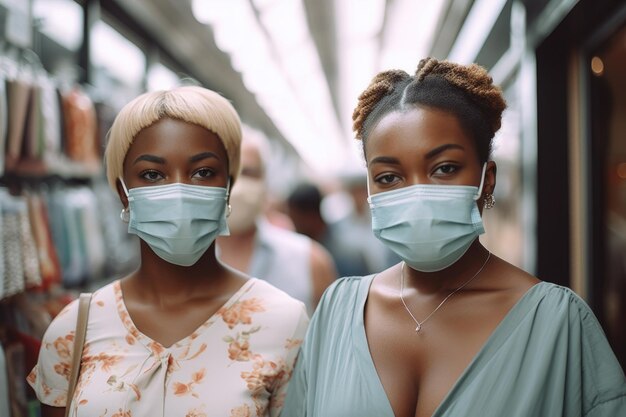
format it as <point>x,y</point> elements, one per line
<point>347,56</point>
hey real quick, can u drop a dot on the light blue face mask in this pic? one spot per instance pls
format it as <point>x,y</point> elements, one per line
<point>178,221</point>
<point>429,226</point>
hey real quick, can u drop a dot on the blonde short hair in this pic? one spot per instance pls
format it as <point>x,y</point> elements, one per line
<point>190,104</point>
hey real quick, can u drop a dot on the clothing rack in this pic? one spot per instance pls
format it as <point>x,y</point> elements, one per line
<point>60,232</point>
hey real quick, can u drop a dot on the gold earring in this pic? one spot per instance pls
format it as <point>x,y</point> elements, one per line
<point>490,201</point>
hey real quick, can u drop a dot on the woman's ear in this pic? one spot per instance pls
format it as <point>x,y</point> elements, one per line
<point>487,200</point>
<point>121,192</point>
<point>490,178</point>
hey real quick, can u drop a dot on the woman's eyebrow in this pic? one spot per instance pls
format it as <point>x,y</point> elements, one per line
<point>150,158</point>
<point>432,153</point>
<point>385,160</point>
<point>203,155</point>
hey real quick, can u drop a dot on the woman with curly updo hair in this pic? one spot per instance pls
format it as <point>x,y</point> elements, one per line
<point>452,330</point>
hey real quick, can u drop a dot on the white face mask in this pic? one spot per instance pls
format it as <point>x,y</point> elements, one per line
<point>178,221</point>
<point>247,199</point>
<point>429,226</point>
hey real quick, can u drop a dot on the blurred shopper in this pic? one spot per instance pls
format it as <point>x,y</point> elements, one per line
<point>304,209</point>
<point>184,334</point>
<point>354,230</point>
<point>452,330</point>
<point>292,262</point>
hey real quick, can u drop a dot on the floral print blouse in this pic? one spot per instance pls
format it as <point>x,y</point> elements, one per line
<point>236,364</point>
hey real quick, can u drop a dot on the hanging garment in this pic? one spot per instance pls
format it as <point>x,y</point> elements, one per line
<point>32,318</point>
<point>63,120</point>
<point>50,126</point>
<point>88,214</point>
<point>5,400</point>
<point>16,374</point>
<point>32,273</point>
<point>46,252</point>
<point>31,345</point>
<point>60,237</point>
<point>18,95</point>
<point>4,114</point>
<point>78,267</point>
<point>33,145</point>
<point>11,240</point>
<point>80,127</point>
<point>3,276</point>
<point>121,248</point>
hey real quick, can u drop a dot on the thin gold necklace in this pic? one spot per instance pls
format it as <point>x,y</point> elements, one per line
<point>421,323</point>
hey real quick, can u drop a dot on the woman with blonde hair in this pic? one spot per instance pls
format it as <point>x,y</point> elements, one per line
<point>184,334</point>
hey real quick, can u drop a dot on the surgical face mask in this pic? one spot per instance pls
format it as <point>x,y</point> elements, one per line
<point>178,221</point>
<point>429,226</point>
<point>247,199</point>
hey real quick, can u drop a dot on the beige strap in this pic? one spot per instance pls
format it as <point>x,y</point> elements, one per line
<point>79,342</point>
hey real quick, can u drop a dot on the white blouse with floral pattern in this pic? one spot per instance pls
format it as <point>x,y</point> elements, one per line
<point>236,364</point>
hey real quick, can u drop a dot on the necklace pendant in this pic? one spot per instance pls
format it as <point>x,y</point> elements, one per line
<point>418,328</point>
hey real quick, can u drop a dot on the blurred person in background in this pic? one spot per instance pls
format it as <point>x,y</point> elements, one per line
<point>354,229</point>
<point>304,208</point>
<point>452,330</point>
<point>290,261</point>
<point>184,334</point>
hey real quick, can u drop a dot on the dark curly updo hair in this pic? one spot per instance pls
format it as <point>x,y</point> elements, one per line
<point>467,91</point>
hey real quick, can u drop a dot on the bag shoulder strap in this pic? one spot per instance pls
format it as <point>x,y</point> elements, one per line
<point>79,342</point>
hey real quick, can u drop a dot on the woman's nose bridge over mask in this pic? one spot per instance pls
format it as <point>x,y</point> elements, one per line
<point>418,177</point>
<point>177,176</point>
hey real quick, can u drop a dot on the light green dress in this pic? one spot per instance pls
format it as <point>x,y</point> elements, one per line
<point>548,357</point>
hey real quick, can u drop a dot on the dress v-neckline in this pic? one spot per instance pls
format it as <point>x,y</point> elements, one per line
<point>157,347</point>
<point>492,344</point>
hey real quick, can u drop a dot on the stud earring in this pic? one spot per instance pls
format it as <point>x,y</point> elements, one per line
<point>490,201</point>
<point>125,215</point>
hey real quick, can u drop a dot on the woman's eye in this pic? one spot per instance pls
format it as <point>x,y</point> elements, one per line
<point>203,173</point>
<point>151,175</point>
<point>445,169</point>
<point>386,179</point>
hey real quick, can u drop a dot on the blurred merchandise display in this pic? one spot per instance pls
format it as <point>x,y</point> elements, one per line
<point>59,227</point>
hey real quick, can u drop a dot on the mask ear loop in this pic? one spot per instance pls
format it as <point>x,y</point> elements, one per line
<point>125,214</point>
<point>482,183</point>
<point>124,186</point>
<point>228,206</point>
